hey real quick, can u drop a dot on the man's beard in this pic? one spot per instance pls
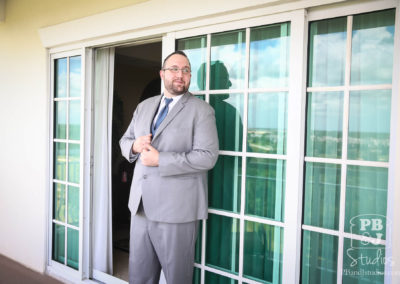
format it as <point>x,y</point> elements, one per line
<point>175,90</point>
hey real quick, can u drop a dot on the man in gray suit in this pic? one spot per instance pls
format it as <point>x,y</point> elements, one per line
<point>173,139</point>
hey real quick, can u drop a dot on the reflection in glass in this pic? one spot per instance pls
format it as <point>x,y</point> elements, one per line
<point>319,258</point>
<point>224,184</point>
<point>196,276</point>
<point>73,205</point>
<point>269,56</point>
<point>73,248</point>
<point>59,202</point>
<point>267,123</point>
<point>201,97</point>
<point>58,243</point>
<point>228,52</point>
<point>229,113</point>
<point>262,256</point>
<point>196,50</point>
<point>222,250</point>
<point>324,124</point>
<point>216,278</point>
<point>265,188</point>
<point>322,195</point>
<point>75,76</point>
<point>327,52</point>
<point>369,125</point>
<point>366,195</point>
<point>60,161</point>
<point>73,163</point>
<point>197,250</point>
<point>60,119</point>
<point>60,78</point>
<point>363,262</point>
<point>372,48</point>
<point>74,120</point>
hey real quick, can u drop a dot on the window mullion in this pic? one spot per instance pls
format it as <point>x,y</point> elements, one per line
<point>295,148</point>
<point>393,212</point>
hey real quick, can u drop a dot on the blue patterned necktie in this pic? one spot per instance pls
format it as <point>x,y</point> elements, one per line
<point>163,113</point>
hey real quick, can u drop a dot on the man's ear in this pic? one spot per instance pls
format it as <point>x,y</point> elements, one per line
<point>162,74</point>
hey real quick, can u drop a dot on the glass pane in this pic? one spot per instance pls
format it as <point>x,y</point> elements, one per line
<point>59,202</point>
<point>269,56</point>
<point>218,279</point>
<point>201,97</point>
<point>222,250</point>
<point>229,113</point>
<point>262,256</point>
<point>369,125</point>
<point>327,52</point>
<point>73,248</point>
<point>319,258</point>
<point>60,78</point>
<point>75,82</point>
<point>366,200</point>
<point>265,188</point>
<point>196,50</point>
<point>197,249</point>
<point>372,48</point>
<point>60,120</point>
<point>196,276</point>
<point>73,163</point>
<point>224,183</point>
<point>267,123</point>
<point>228,53</point>
<point>73,205</point>
<point>324,124</point>
<point>59,243</point>
<point>363,262</point>
<point>74,120</point>
<point>322,195</point>
<point>60,161</point>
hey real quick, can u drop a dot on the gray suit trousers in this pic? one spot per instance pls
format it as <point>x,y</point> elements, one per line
<point>156,245</point>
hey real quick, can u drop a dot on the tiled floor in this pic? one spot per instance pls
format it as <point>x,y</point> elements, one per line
<point>121,262</point>
<point>12,272</point>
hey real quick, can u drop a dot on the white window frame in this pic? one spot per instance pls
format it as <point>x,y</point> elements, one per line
<point>54,267</point>
<point>393,181</point>
<point>299,17</point>
<point>294,155</point>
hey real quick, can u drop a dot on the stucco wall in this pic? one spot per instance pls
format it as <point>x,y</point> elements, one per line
<point>24,121</point>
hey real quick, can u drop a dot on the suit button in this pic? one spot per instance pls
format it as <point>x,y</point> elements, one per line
<point>144,176</point>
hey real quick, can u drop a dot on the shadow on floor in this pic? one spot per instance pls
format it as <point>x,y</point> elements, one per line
<point>12,272</point>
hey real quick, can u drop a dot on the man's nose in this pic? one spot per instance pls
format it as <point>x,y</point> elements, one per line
<point>179,72</point>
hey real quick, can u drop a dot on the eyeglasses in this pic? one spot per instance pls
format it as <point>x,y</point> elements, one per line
<point>185,70</point>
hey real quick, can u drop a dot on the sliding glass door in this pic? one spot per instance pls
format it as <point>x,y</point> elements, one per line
<point>67,160</point>
<point>243,74</point>
<point>347,148</point>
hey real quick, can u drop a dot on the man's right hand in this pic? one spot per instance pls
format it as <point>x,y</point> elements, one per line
<point>141,143</point>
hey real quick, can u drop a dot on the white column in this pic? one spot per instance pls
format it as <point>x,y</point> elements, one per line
<point>295,148</point>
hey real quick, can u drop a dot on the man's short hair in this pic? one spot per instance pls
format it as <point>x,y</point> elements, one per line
<point>180,52</point>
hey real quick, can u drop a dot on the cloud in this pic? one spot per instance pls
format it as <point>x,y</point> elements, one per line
<point>372,56</point>
<point>328,59</point>
<point>269,63</point>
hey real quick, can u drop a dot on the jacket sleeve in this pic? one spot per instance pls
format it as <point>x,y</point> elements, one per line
<point>127,140</point>
<point>204,153</point>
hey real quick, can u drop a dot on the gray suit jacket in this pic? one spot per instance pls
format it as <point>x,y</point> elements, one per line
<point>176,190</point>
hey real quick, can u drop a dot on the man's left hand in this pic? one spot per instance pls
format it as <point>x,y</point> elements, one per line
<point>149,156</point>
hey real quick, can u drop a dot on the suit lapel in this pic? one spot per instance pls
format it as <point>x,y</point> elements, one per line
<point>171,115</point>
<point>152,111</point>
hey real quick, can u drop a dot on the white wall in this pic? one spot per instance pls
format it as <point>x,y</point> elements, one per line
<point>24,107</point>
